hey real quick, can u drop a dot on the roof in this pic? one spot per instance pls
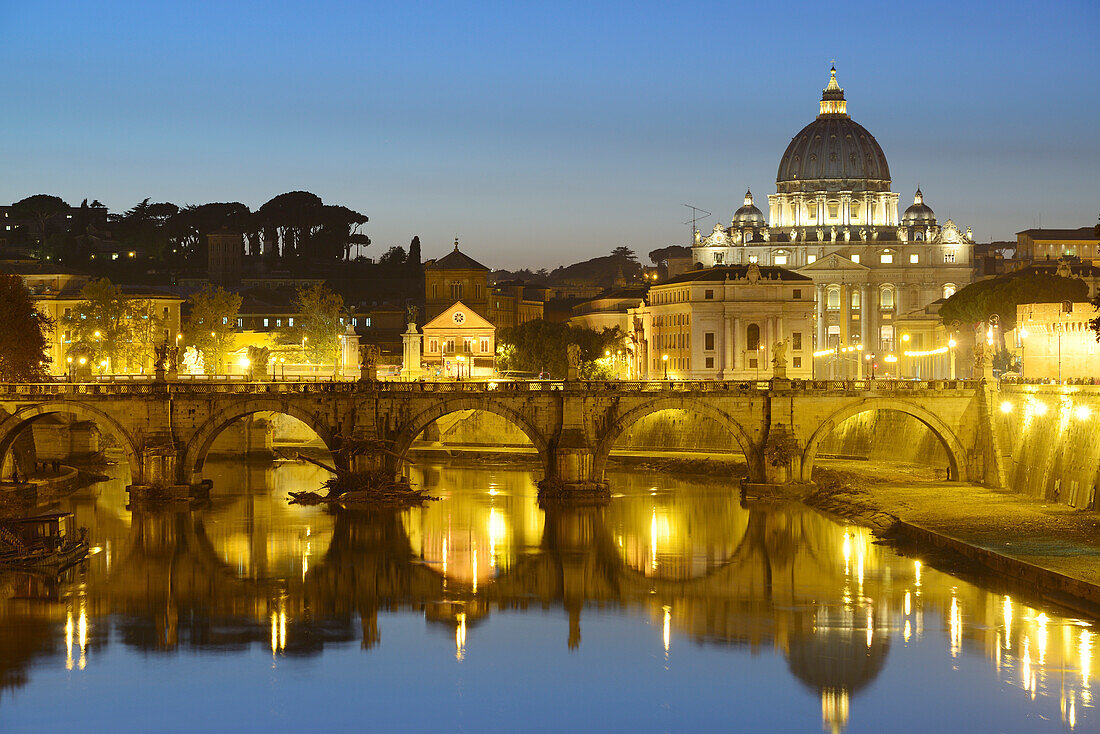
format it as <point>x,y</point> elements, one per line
<point>735,272</point>
<point>1081,233</point>
<point>455,260</point>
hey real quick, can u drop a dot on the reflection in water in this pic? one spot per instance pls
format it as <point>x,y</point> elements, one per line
<point>250,572</point>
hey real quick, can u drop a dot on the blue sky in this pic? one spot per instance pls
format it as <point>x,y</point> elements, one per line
<point>544,133</point>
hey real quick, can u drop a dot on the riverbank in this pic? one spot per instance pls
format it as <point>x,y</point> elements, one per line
<point>1048,547</point>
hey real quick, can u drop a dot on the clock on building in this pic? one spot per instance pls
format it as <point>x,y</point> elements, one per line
<point>458,317</point>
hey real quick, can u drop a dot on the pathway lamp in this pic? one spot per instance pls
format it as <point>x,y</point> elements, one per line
<point>870,357</point>
<point>1023,339</point>
<point>461,359</point>
<point>664,358</point>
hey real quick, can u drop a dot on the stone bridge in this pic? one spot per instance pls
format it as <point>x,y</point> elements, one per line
<point>167,428</point>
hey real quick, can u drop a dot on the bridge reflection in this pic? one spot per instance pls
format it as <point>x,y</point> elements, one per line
<point>702,567</point>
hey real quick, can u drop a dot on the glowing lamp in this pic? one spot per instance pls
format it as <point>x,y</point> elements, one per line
<point>1006,407</point>
<point>1083,412</point>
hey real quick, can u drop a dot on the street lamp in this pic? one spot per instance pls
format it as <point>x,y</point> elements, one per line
<point>664,358</point>
<point>870,357</point>
<point>904,353</point>
<point>461,359</point>
<point>1023,337</point>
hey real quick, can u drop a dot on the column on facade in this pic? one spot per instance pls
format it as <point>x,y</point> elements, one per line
<point>845,325</point>
<point>738,345</point>
<point>728,346</point>
<point>845,215</point>
<point>821,292</point>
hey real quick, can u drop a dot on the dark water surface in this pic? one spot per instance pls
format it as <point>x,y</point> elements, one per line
<point>673,608</point>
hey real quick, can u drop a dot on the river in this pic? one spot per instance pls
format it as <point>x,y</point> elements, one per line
<point>672,608</point>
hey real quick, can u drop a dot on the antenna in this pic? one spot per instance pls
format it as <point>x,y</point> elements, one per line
<point>695,215</point>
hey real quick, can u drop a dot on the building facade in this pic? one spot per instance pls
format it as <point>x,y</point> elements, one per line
<point>460,343</point>
<point>1053,244</point>
<point>724,323</point>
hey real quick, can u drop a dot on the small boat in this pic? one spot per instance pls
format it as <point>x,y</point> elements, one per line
<point>41,541</point>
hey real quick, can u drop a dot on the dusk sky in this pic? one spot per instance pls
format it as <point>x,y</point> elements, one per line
<point>546,133</point>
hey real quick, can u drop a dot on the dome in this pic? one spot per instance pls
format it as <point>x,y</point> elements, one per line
<point>919,212</point>
<point>748,215</point>
<point>833,153</point>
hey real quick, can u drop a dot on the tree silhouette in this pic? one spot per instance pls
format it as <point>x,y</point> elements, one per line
<point>24,346</point>
<point>44,212</point>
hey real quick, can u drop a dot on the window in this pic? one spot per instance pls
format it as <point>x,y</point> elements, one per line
<point>165,312</point>
<point>290,321</point>
<point>832,299</point>
<point>366,321</point>
<point>710,363</point>
<point>855,299</point>
<point>886,298</point>
<point>67,312</point>
<point>949,257</point>
<point>752,337</point>
<point>450,347</point>
<point>886,257</point>
<point>435,291</point>
<point>225,320</point>
<point>797,361</point>
<point>754,259</point>
<point>781,259</point>
<point>854,258</point>
<point>266,324</point>
<point>240,323</point>
<point>708,341</point>
<point>914,259</point>
<point>948,290</point>
<point>433,346</point>
<point>796,293</point>
<point>477,291</point>
<point>886,334</point>
<point>719,258</point>
<point>811,258</point>
<point>484,346</point>
<point>796,341</point>
<point>278,323</point>
<point>354,320</point>
<point>753,363</point>
<point>456,290</point>
<point>708,294</point>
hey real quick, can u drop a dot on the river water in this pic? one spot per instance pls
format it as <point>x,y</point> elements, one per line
<point>673,608</point>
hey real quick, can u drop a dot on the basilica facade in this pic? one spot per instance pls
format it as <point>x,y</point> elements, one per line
<point>876,276</point>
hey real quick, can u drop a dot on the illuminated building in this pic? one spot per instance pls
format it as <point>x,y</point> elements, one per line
<point>835,220</point>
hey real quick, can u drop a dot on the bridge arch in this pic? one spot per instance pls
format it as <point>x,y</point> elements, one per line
<point>416,425</point>
<point>14,424</point>
<point>194,455</point>
<point>699,406</point>
<point>956,453</point>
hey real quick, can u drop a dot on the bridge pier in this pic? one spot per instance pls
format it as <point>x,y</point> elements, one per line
<point>570,470</point>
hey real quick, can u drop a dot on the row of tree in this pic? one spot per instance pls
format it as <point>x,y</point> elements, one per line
<point>540,346</point>
<point>290,225</point>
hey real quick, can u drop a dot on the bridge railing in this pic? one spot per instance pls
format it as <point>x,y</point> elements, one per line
<point>196,387</point>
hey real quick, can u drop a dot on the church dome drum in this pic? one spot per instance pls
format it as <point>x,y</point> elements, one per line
<point>748,215</point>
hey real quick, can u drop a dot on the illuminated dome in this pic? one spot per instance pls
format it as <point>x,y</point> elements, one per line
<point>833,153</point>
<point>748,215</point>
<point>919,212</point>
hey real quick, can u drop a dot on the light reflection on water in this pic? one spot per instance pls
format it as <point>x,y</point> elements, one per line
<point>671,608</point>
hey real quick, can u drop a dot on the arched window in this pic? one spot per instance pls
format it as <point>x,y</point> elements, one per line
<point>832,299</point>
<point>855,299</point>
<point>752,337</point>
<point>948,290</point>
<point>886,335</point>
<point>886,298</point>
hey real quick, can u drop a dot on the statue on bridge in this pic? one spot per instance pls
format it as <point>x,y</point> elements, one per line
<point>573,351</point>
<point>368,354</point>
<point>779,354</point>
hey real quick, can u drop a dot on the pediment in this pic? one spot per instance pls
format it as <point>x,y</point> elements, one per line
<point>468,319</point>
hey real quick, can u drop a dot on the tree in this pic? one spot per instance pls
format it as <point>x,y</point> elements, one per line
<point>149,330</point>
<point>393,257</point>
<point>101,326</point>
<point>43,211</point>
<point>978,301</point>
<point>288,221</point>
<point>540,345</point>
<point>662,254</point>
<point>210,324</point>
<point>318,325</point>
<point>624,252</point>
<point>1094,324</point>
<point>24,345</point>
